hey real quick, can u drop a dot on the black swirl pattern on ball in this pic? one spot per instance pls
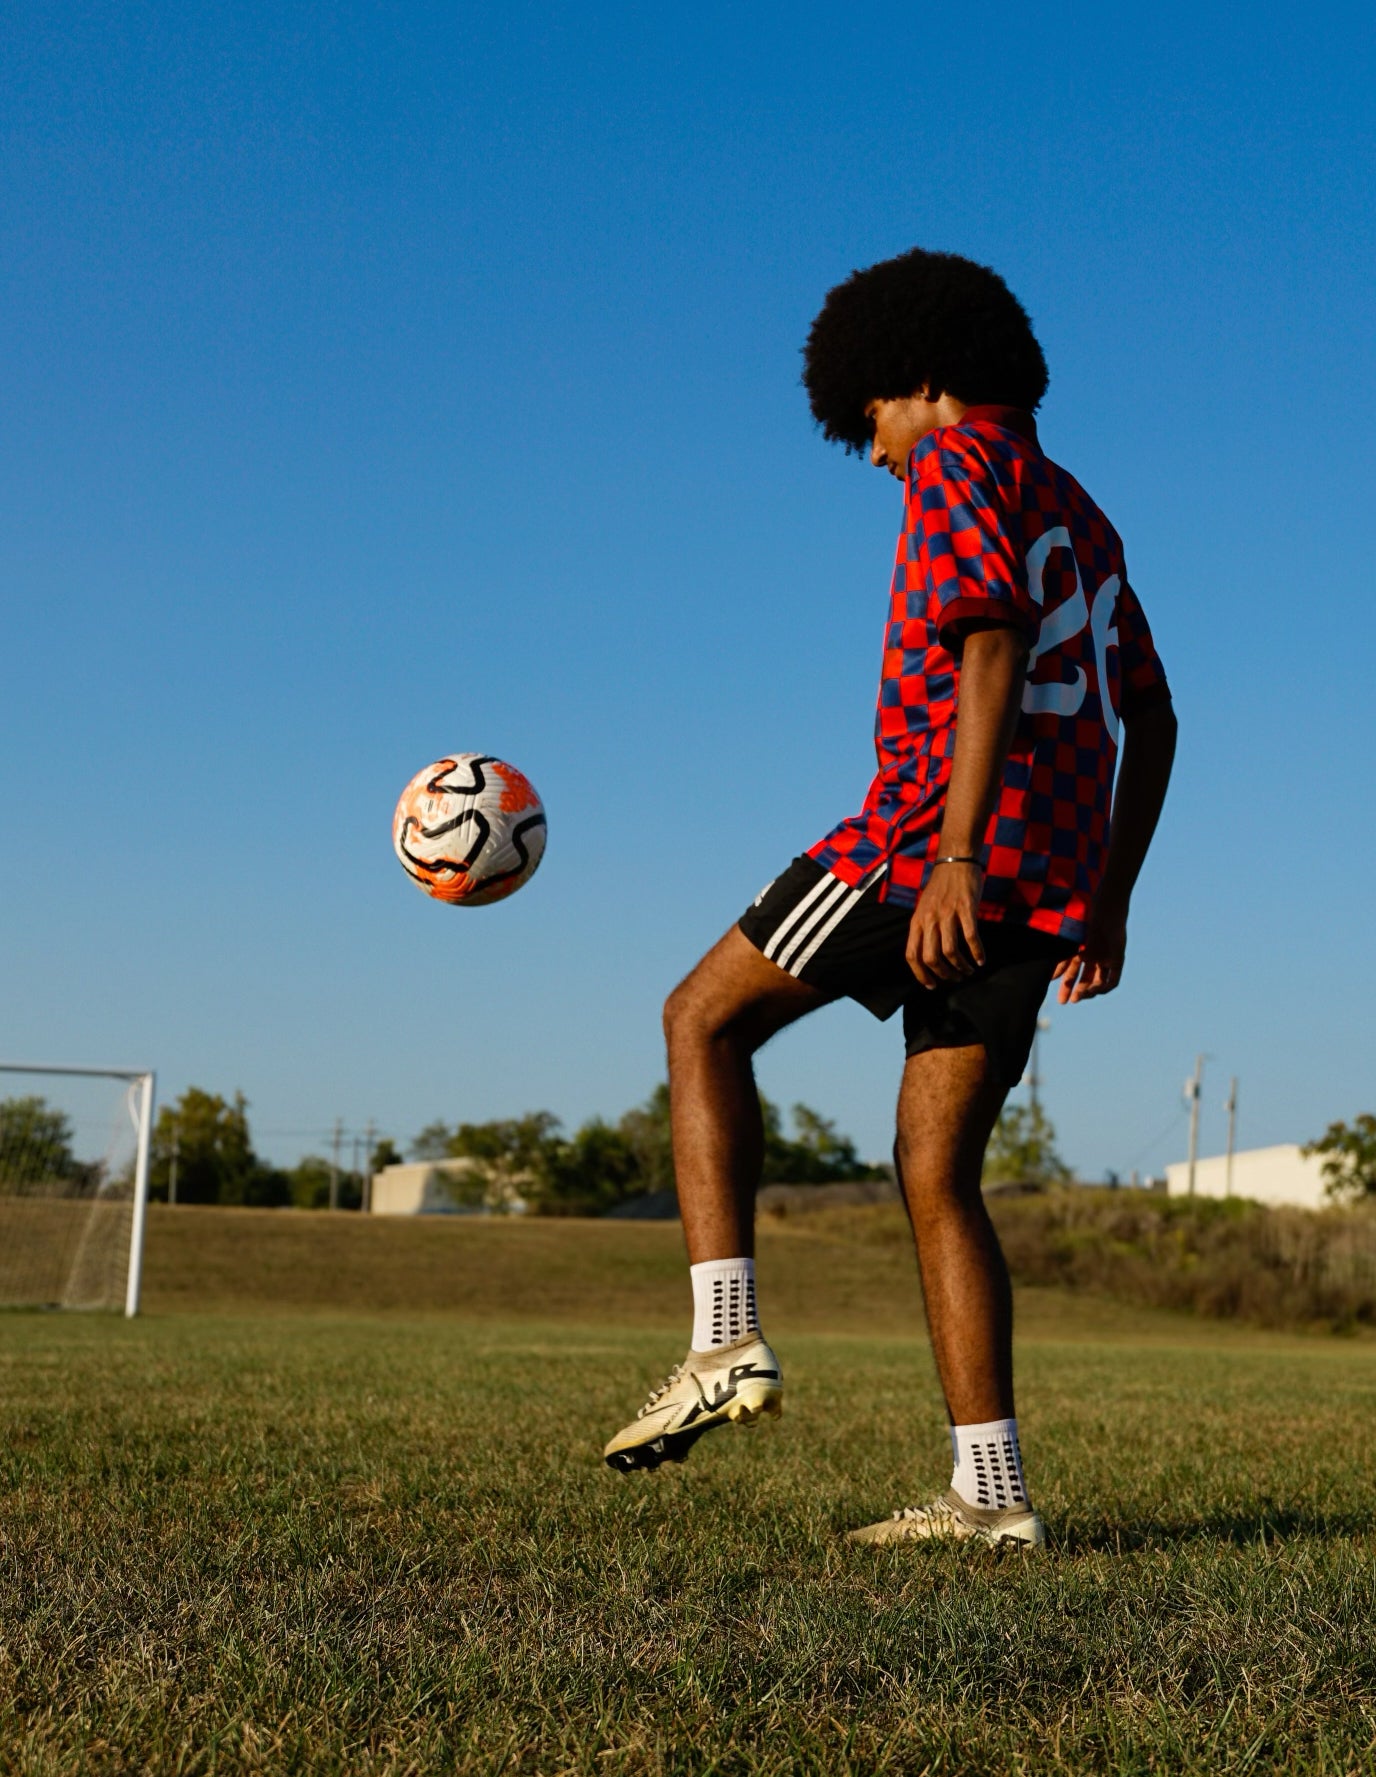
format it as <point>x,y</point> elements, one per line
<point>518,841</point>
<point>454,866</point>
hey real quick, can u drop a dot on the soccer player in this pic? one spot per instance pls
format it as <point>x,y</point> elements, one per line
<point>992,855</point>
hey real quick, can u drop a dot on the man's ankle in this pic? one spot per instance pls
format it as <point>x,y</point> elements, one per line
<point>724,1310</point>
<point>988,1465</point>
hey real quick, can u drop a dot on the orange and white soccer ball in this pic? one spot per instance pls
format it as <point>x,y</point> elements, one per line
<point>469,829</point>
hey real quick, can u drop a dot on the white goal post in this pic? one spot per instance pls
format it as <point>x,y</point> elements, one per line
<point>71,1227</point>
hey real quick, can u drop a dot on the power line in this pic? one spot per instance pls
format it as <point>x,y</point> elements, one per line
<point>325,1134</point>
<point>1156,1141</point>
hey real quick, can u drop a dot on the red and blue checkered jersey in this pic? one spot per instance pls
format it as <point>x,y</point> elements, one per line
<point>993,530</point>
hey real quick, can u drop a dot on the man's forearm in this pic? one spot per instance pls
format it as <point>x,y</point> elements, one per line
<point>993,667</point>
<point>943,938</point>
<point>1145,772</point>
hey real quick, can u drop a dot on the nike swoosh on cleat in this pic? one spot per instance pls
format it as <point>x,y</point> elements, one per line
<point>723,1393</point>
<point>674,1442</point>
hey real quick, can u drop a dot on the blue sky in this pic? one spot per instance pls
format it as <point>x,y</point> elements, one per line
<point>385,381</point>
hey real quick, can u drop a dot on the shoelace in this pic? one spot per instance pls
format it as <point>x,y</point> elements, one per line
<point>937,1509</point>
<point>658,1394</point>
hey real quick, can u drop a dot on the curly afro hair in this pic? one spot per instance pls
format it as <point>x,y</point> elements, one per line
<point>930,319</point>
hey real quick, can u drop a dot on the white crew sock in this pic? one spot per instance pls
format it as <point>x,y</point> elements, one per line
<point>988,1464</point>
<point>723,1302</point>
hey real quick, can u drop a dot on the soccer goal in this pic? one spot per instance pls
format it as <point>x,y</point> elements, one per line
<point>74,1153</point>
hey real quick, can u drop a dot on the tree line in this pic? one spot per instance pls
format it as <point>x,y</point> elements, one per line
<point>203,1153</point>
<point>531,1161</point>
<point>203,1140</point>
<point>37,1156</point>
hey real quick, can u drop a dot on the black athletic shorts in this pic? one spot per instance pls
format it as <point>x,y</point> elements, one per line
<point>850,944</point>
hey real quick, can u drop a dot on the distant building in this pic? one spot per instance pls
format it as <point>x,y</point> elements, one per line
<point>1266,1175</point>
<point>435,1188</point>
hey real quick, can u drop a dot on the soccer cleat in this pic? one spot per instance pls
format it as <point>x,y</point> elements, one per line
<point>951,1517</point>
<point>736,1385</point>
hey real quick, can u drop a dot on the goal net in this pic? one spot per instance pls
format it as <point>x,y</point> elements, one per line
<point>74,1148</point>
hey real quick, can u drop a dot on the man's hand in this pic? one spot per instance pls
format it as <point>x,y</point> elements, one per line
<point>1097,966</point>
<point>943,939</point>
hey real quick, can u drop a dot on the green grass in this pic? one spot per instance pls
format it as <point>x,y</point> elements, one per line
<point>253,1540</point>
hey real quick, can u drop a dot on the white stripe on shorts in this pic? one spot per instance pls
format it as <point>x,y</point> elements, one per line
<point>805,944</point>
<point>821,933</point>
<point>801,930</point>
<point>828,887</point>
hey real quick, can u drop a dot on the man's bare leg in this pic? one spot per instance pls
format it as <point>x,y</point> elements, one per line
<point>947,1108</point>
<point>946,1111</point>
<point>714,1021</point>
<point>734,1001</point>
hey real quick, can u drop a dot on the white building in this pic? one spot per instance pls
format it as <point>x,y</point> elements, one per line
<point>1266,1175</point>
<point>434,1188</point>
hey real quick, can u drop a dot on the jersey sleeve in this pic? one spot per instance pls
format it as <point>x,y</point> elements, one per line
<point>1142,676</point>
<point>977,568</point>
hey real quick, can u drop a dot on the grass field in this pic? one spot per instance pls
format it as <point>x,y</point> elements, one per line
<point>243,1537</point>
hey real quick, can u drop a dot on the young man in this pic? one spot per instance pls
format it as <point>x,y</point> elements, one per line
<point>983,865</point>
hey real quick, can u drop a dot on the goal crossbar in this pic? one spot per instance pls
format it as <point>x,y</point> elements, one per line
<point>146,1080</point>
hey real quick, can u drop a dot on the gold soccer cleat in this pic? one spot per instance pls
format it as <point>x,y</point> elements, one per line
<point>733,1385</point>
<point>951,1517</point>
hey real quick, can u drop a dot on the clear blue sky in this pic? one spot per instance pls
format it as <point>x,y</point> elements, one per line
<point>380,381</point>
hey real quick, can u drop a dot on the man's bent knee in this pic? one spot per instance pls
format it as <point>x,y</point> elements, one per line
<point>735,991</point>
<point>682,1010</point>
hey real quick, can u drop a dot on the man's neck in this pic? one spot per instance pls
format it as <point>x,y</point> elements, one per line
<point>1012,419</point>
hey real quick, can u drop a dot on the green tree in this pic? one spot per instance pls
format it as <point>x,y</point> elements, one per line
<point>35,1141</point>
<point>215,1158</point>
<point>814,1155</point>
<point>386,1153</point>
<point>528,1160</point>
<point>433,1142</point>
<point>508,1157</point>
<point>646,1132</point>
<point>588,1174</point>
<point>1022,1149</point>
<point>1349,1158</point>
<point>308,1185</point>
<point>603,1164</point>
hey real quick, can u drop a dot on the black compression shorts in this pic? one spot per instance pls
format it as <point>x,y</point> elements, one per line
<point>849,944</point>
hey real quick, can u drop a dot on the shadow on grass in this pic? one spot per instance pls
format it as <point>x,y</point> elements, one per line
<point>1278,1524</point>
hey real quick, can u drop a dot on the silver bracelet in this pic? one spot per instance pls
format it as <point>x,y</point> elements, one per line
<point>974,861</point>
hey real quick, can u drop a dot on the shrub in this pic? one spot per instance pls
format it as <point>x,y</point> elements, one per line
<point>1225,1257</point>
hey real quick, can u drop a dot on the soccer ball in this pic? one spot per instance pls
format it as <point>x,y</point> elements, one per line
<point>469,829</point>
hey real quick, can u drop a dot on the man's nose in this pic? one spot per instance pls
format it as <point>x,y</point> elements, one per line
<point>878,455</point>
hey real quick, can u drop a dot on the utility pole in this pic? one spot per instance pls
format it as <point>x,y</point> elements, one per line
<point>1193,1086</point>
<point>366,1202</point>
<point>1231,1108</point>
<point>1034,1077</point>
<point>172,1168</point>
<point>334,1162</point>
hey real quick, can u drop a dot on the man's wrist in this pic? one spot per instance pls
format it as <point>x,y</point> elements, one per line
<point>1112,898</point>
